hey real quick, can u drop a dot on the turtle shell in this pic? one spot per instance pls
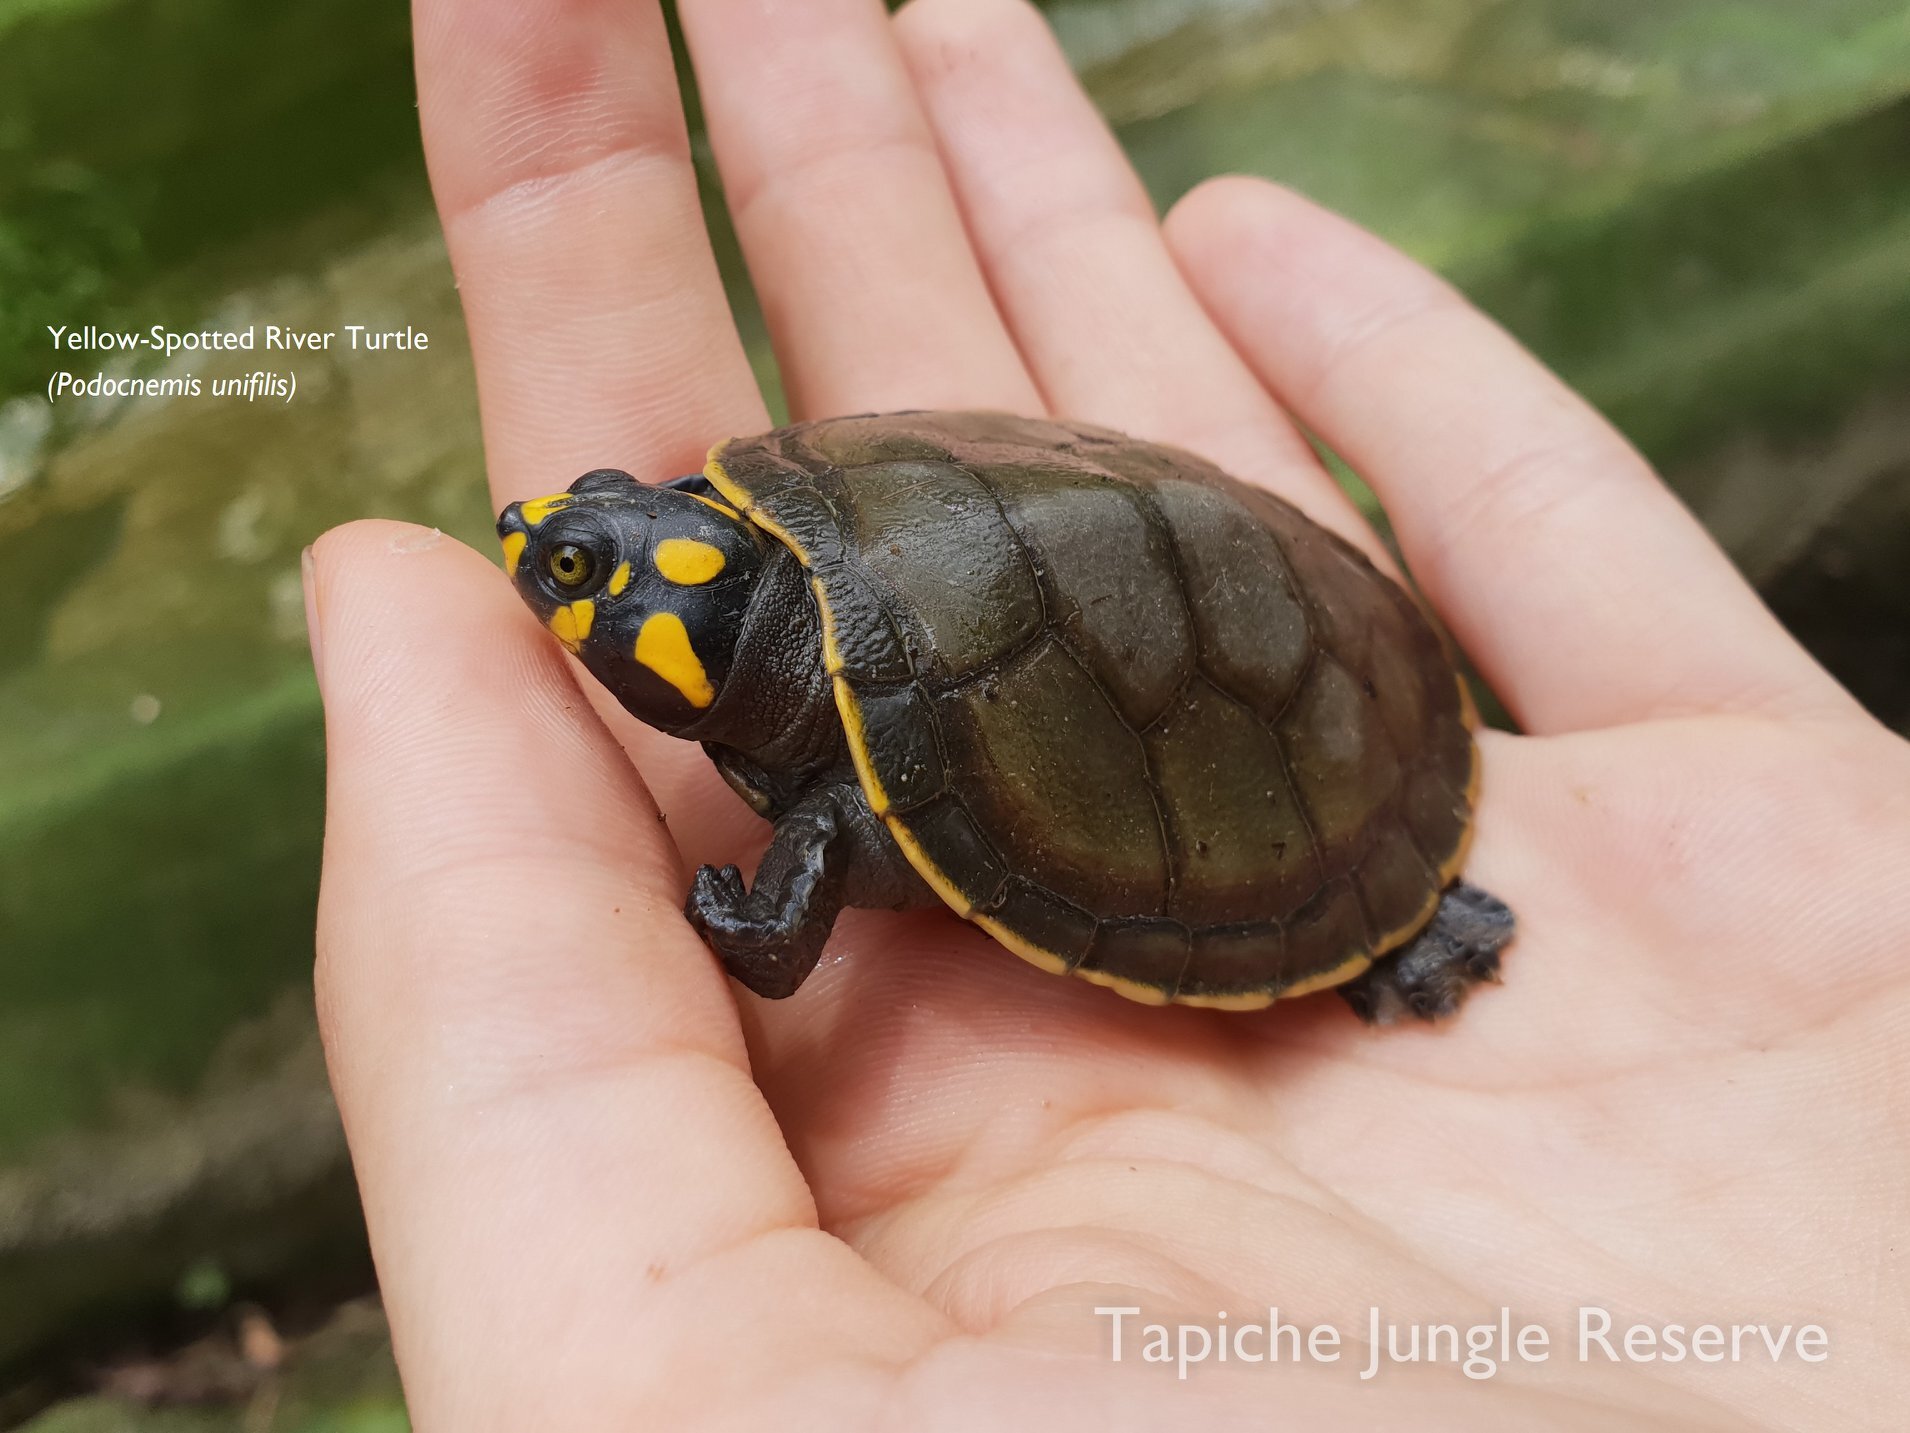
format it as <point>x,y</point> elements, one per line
<point>1139,721</point>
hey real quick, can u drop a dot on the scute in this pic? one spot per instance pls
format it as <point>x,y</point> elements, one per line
<point>1435,812</point>
<point>1234,966</point>
<point>1115,601</point>
<point>1344,765</point>
<point>815,532</point>
<point>1253,627</point>
<point>899,732</point>
<point>971,862</point>
<point>1404,703</point>
<point>1350,612</point>
<point>935,538</point>
<point>1059,782</point>
<point>1044,921</point>
<point>1148,954</point>
<point>1135,719</point>
<point>1328,937</point>
<point>1393,882</point>
<point>857,443</point>
<point>1220,772</point>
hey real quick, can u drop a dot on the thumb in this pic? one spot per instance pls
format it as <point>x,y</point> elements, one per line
<point>577,1197</point>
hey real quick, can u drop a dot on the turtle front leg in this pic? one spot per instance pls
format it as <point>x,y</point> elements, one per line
<point>1430,975</point>
<point>770,935</point>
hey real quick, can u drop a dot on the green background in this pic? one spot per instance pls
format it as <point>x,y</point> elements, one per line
<point>1697,210</point>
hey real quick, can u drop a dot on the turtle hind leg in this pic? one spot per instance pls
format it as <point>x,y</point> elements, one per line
<point>1429,976</point>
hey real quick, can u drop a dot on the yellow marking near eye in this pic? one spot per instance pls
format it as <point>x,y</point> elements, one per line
<point>514,550</point>
<point>537,509</point>
<point>663,645</point>
<point>687,562</point>
<point>620,579</point>
<point>571,624</point>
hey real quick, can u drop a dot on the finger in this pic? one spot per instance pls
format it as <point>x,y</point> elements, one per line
<point>1585,592</point>
<point>562,173</point>
<point>579,1202</point>
<point>870,292</point>
<point>599,326</point>
<point>1074,254</point>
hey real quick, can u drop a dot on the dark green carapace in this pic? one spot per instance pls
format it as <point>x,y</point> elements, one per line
<point>1140,722</point>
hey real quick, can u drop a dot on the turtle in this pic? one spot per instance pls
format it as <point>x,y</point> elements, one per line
<point>1139,721</point>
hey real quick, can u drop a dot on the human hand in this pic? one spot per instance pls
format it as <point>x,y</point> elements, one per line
<point>607,1191</point>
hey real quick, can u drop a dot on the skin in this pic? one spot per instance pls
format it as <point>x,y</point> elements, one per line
<point>605,1191</point>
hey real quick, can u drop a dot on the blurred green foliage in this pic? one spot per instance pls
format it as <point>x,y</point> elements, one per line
<point>1699,212</point>
<point>135,138</point>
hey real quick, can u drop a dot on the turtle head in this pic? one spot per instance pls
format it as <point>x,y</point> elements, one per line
<point>646,585</point>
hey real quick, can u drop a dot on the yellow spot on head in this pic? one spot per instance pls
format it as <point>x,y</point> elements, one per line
<point>687,562</point>
<point>663,645</point>
<point>537,509</point>
<point>620,579</point>
<point>514,550</point>
<point>571,624</point>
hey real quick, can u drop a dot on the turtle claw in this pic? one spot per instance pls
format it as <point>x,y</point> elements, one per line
<point>716,889</point>
<point>717,910</point>
<point>1483,966</point>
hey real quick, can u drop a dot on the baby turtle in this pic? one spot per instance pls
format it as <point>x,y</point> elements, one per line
<point>1138,721</point>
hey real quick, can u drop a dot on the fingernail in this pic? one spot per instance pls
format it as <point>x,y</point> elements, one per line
<point>308,579</point>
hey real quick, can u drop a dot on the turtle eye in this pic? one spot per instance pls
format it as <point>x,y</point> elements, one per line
<point>571,565</point>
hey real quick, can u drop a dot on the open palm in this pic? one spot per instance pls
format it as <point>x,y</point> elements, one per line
<point>608,1191</point>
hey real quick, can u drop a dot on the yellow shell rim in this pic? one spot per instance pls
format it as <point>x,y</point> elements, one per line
<point>1042,959</point>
